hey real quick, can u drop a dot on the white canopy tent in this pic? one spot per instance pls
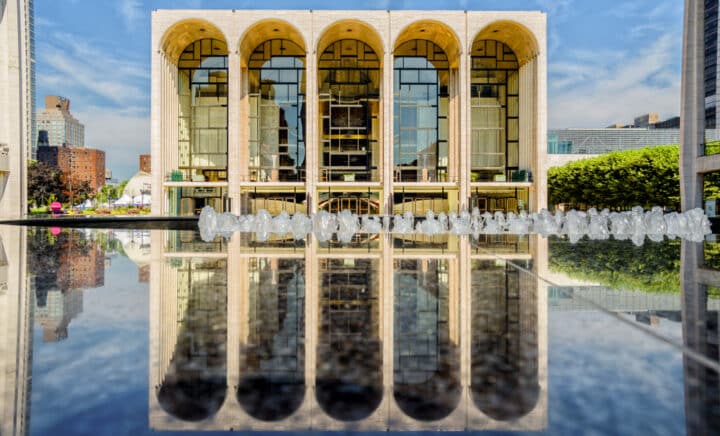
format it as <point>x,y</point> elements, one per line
<point>125,200</point>
<point>141,200</point>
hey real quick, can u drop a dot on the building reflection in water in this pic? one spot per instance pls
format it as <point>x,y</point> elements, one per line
<point>369,335</point>
<point>700,334</point>
<point>195,375</point>
<point>426,361</point>
<point>349,384</point>
<point>62,265</point>
<point>272,385</point>
<point>504,370</point>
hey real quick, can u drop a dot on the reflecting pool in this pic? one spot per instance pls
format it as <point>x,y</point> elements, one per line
<point>139,331</point>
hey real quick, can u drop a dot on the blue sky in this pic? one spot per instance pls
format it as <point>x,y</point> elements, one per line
<point>607,61</point>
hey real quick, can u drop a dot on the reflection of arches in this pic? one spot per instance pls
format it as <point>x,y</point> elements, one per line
<point>185,32</point>
<point>349,384</point>
<point>426,362</point>
<point>194,385</point>
<point>272,381</point>
<point>504,350</point>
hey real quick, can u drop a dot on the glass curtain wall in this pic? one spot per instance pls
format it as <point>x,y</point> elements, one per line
<point>202,116</point>
<point>421,78</point>
<point>495,108</point>
<point>349,105</point>
<point>277,112</point>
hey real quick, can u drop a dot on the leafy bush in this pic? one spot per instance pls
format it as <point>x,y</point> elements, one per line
<point>619,180</point>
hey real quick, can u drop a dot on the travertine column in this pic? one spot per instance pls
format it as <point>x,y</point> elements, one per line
<point>312,139</point>
<point>236,141</point>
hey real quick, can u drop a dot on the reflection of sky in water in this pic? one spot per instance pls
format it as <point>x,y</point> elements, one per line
<point>604,376</point>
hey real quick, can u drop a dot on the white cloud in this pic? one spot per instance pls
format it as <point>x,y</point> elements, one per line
<point>77,67</point>
<point>587,93</point>
<point>131,11</point>
<point>124,134</point>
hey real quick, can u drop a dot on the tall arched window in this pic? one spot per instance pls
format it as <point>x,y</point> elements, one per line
<point>202,112</point>
<point>421,76</point>
<point>495,107</point>
<point>349,94</point>
<point>277,112</point>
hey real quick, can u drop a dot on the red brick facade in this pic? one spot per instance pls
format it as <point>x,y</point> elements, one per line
<point>79,164</point>
<point>145,163</point>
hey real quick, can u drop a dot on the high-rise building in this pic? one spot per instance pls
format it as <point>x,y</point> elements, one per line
<point>711,64</point>
<point>17,85</point>
<point>77,164</point>
<point>56,125</point>
<point>377,112</point>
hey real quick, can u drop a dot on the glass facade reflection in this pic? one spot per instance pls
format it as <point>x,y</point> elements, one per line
<point>504,352</point>
<point>276,80</point>
<point>202,112</point>
<point>272,370</point>
<point>349,384</point>
<point>426,362</point>
<point>421,112</point>
<point>349,107</point>
<point>495,112</point>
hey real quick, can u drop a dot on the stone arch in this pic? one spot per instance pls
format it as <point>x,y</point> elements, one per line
<point>436,32</point>
<point>266,30</point>
<point>185,32</point>
<point>351,29</point>
<point>518,37</point>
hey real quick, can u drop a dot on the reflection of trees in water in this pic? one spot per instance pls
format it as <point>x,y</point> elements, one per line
<point>504,350</point>
<point>195,382</point>
<point>426,362</point>
<point>272,379</point>
<point>652,267</point>
<point>349,355</point>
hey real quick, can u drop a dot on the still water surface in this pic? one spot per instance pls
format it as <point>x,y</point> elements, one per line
<point>133,332</point>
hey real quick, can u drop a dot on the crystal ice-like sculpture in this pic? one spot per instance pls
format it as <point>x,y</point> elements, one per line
<point>635,224</point>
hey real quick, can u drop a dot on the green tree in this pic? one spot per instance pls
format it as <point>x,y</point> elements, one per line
<point>44,181</point>
<point>619,180</point>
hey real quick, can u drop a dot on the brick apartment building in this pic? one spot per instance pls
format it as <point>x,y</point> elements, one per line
<point>79,164</point>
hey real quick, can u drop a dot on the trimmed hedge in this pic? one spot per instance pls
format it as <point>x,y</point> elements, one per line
<point>619,180</point>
